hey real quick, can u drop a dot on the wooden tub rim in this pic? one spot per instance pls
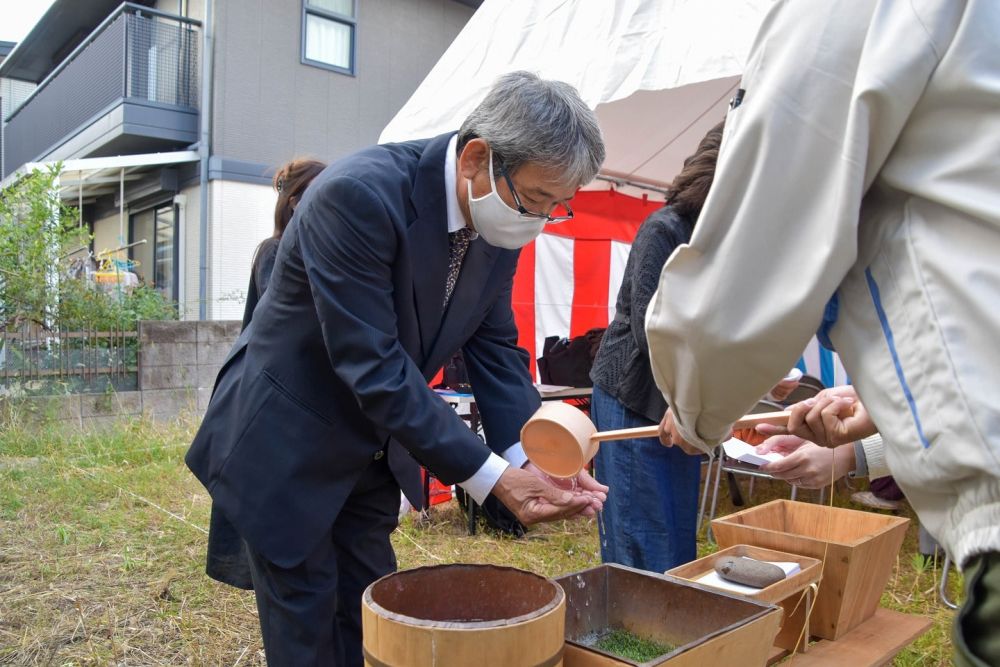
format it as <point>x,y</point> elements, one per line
<point>558,598</point>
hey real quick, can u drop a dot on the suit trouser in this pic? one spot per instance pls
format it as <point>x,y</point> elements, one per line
<point>311,614</point>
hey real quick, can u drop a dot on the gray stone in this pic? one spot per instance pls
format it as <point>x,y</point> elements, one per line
<point>168,354</point>
<point>166,377</point>
<point>170,331</point>
<point>168,403</point>
<point>206,375</point>
<point>213,354</point>
<point>114,404</point>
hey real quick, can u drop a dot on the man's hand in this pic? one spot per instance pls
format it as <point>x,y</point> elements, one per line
<point>533,499</point>
<point>583,483</point>
<point>670,436</point>
<point>811,466</point>
<point>833,417</point>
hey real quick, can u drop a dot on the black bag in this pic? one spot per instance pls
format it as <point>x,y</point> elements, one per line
<point>456,376</point>
<point>567,362</point>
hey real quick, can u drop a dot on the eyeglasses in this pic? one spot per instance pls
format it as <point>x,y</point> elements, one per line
<point>564,212</point>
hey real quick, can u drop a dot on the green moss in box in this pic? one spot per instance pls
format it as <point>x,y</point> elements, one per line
<point>626,645</point>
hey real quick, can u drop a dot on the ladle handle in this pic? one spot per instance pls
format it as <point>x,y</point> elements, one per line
<point>749,421</point>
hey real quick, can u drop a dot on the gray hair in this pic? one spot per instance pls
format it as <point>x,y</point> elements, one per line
<point>527,119</point>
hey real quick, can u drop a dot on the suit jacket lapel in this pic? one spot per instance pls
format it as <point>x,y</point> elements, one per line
<point>475,274</point>
<point>428,237</point>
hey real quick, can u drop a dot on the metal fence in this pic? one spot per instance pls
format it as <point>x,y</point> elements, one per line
<point>34,361</point>
<point>136,54</point>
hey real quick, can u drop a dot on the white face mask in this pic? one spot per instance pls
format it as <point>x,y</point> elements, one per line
<point>499,224</point>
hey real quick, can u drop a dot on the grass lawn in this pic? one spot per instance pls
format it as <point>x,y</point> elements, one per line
<point>102,545</point>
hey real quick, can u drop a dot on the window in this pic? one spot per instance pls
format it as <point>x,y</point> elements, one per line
<point>328,33</point>
<point>157,257</point>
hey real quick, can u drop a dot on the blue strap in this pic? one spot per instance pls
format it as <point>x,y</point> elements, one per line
<point>829,319</point>
<point>890,340</point>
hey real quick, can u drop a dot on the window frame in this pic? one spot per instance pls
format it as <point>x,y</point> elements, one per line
<point>174,295</point>
<point>350,21</point>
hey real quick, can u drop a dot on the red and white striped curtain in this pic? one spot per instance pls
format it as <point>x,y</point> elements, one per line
<point>567,280</point>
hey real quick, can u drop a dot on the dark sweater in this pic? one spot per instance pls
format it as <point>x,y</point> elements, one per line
<point>260,273</point>
<point>622,366</point>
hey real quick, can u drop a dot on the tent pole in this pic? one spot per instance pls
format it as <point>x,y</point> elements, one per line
<point>615,180</point>
<point>121,206</point>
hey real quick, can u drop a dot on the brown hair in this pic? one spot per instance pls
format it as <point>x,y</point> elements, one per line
<point>291,181</point>
<point>690,188</point>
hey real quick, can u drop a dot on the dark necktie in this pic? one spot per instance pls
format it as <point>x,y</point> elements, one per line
<point>458,243</point>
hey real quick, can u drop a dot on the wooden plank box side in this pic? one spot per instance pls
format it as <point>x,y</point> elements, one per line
<point>860,549</point>
<point>698,620</point>
<point>875,642</point>
<point>749,648</point>
<point>811,569</point>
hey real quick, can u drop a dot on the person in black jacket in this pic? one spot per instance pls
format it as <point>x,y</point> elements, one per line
<point>227,560</point>
<point>290,182</point>
<point>650,518</point>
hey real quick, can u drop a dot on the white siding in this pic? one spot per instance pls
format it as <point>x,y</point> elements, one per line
<point>242,215</point>
<point>189,232</point>
<point>106,233</point>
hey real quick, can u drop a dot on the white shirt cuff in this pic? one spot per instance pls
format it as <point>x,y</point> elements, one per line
<point>515,455</point>
<point>482,482</point>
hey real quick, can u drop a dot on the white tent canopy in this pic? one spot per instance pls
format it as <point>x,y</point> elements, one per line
<point>659,73</point>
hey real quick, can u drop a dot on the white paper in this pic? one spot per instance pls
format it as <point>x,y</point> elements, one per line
<point>738,450</point>
<point>551,388</point>
<point>714,580</point>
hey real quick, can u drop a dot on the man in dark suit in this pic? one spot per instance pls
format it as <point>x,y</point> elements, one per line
<point>397,256</point>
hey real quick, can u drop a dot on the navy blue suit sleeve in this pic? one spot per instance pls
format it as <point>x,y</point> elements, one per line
<point>498,373</point>
<point>348,245</point>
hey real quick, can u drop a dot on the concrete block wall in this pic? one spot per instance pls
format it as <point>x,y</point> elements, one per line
<point>178,362</point>
<point>84,411</point>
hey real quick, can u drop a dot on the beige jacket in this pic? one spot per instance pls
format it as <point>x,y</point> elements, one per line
<point>864,161</point>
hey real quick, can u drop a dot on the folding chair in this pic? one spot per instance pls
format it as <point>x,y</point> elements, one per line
<point>802,392</point>
<point>811,381</point>
<point>943,588</point>
<point>707,459</point>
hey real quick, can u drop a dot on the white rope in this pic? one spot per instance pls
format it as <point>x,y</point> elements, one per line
<point>140,498</point>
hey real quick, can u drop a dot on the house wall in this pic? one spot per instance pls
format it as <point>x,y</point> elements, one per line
<point>189,231</point>
<point>194,9</point>
<point>106,232</point>
<point>269,107</point>
<point>243,216</point>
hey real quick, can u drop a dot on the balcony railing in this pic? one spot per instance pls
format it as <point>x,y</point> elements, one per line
<point>136,55</point>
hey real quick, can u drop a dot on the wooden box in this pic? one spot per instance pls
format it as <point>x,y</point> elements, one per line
<point>707,626</point>
<point>788,593</point>
<point>858,550</point>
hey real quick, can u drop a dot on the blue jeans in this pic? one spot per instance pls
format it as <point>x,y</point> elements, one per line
<point>651,514</point>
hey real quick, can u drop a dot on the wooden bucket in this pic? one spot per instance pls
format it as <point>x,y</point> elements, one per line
<point>459,615</point>
<point>859,548</point>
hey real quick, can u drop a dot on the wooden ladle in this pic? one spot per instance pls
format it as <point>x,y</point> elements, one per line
<point>560,439</point>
